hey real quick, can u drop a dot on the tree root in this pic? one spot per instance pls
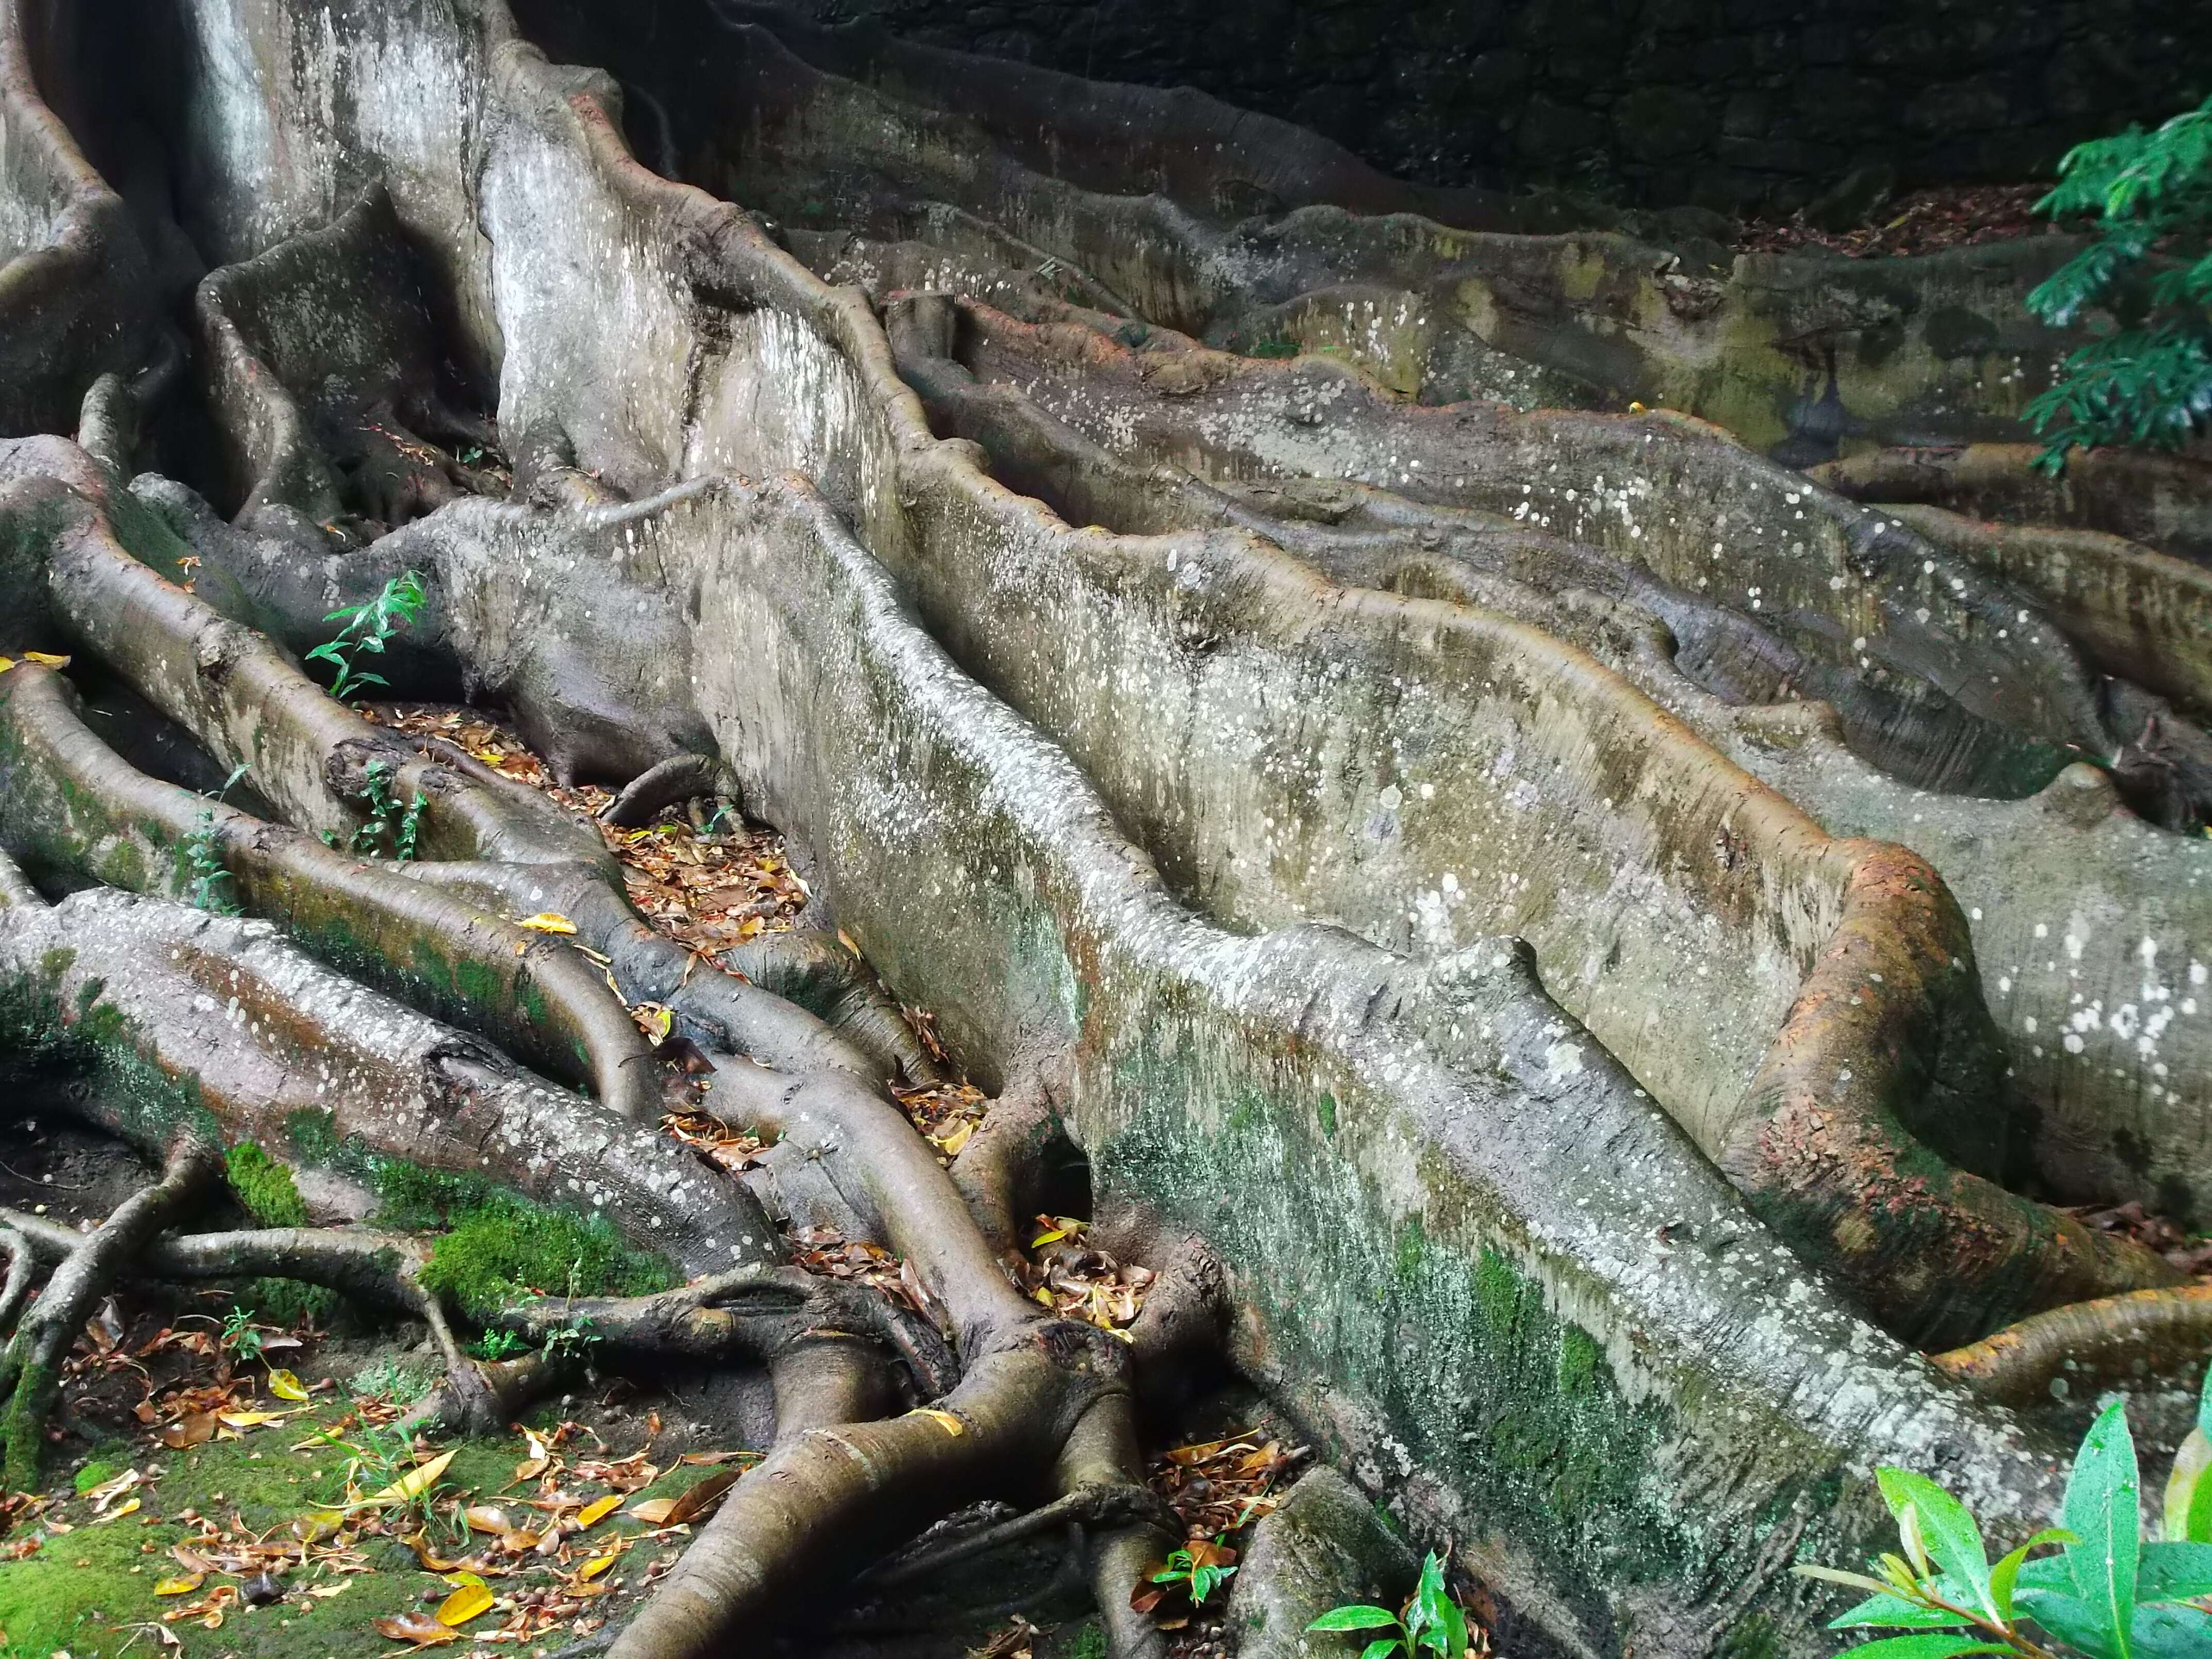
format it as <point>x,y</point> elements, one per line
<point>22,1268</point>
<point>2073,1350</point>
<point>31,1367</point>
<point>538,999</point>
<point>2160,500</point>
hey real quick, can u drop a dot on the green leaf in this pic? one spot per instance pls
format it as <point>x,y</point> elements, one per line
<point>1848,1580</point>
<point>1434,1621</point>
<point>2003,1575</point>
<point>1877,1612</point>
<point>2175,1572</point>
<point>1358,1616</point>
<point>1382,1648</point>
<point>2172,1633</point>
<point>1945,1530</point>
<point>2075,1623</point>
<point>2102,1495</point>
<point>1929,1644</point>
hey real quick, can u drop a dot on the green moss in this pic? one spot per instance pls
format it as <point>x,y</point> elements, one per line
<point>288,1301</point>
<point>1579,1360</point>
<point>498,1245</point>
<point>1326,1106</point>
<point>1414,1300</point>
<point>482,987</point>
<point>95,1473</point>
<point>264,1187</point>
<point>25,1424</point>
<point>93,1041</point>
<point>1750,1638</point>
<point>531,1000</point>
<point>506,1249</point>
<point>85,1590</point>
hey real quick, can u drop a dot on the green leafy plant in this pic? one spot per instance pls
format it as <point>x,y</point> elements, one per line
<point>369,628</point>
<point>2150,382</point>
<point>1431,1622</point>
<point>1199,1568</point>
<point>389,823</point>
<point>242,1337</point>
<point>498,1345</point>
<point>382,1469</point>
<point>212,884</point>
<point>2107,1594</point>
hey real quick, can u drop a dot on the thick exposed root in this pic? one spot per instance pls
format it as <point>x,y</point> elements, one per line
<point>2074,1350</point>
<point>95,813</point>
<point>23,1269</point>
<point>2160,500</point>
<point>31,1367</point>
<point>147,989</point>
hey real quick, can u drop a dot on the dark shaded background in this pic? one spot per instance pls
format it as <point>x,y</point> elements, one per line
<point>1730,104</point>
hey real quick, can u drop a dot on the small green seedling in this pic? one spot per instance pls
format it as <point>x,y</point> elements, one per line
<point>498,1345</point>
<point>2106,1594</point>
<point>1198,1567</point>
<point>389,823</point>
<point>242,1337</point>
<point>211,888</point>
<point>1431,1622</point>
<point>367,630</point>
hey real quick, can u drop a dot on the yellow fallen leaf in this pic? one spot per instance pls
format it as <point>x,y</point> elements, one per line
<point>413,1484</point>
<point>598,1509</point>
<point>952,1144</point>
<point>285,1386</point>
<point>482,1517</point>
<point>462,1580</point>
<point>6,663</point>
<point>183,1584</point>
<point>249,1419</point>
<point>592,1568</point>
<point>1053,1237</point>
<point>465,1604</point>
<point>129,1506</point>
<point>547,921</point>
<point>317,1525</point>
<point>944,1421</point>
<point>327,1590</point>
<point>653,1510</point>
<point>45,659</point>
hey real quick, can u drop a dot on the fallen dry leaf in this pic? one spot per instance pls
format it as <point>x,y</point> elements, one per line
<point>703,1497</point>
<point>196,1430</point>
<point>599,1509</point>
<point>420,1628</point>
<point>183,1584</point>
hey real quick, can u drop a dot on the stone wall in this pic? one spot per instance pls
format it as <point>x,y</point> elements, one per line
<point>1724,102</point>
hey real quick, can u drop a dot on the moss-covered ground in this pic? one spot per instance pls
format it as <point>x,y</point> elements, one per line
<point>90,1591</point>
